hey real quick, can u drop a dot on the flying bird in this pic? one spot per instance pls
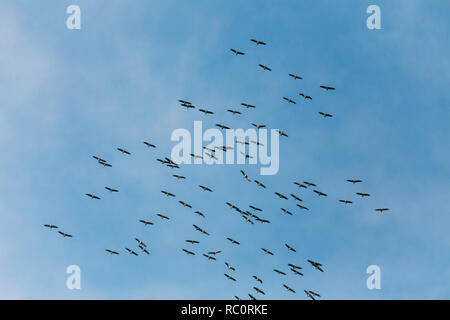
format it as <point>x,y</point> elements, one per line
<point>189,252</point>
<point>296,272</point>
<point>281,133</point>
<point>144,249</point>
<point>150,145</point>
<point>255,208</point>
<point>258,279</point>
<point>131,251</point>
<point>205,111</point>
<point>258,290</point>
<point>50,226</point>
<point>208,257</point>
<point>111,189</point>
<point>258,42</point>
<point>260,184</point>
<point>295,76</point>
<point>200,214</point>
<point>267,251</point>
<point>279,272</point>
<point>290,248</point>
<point>167,193</point>
<point>140,242</point>
<point>302,207</point>
<point>248,105</point>
<point>179,177</point>
<point>123,151</point>
<point>229,277</point>
<point>325,115</point>
<point>305,96</point>
<point>193,241</point>
<point>222,126</point>
<point>233,241</point>
<point>288,288</point>
<point>286,211</point>
<point>316,265</point>
<point>354,181</point>
<point>264,67</point>
<point>233,111</point>
<point>346,201</point>
<point>111,251</point>
<point>327,88</point>
<point>184,204</point>
<point>145,222</point>
<point>382,209</point>
<point>162,216</point>
<point>300,185</point>
<point>320,193</point>
<point>281,196</point>
<point>259,126</point>
<point>205,188</point>
<point>245,175</point>
<point>363,194</point>
<point>295,197</point>
<point>238,53</point>
<point>65,234</point>
<point>200,230</point>
<point>309,184</point>
<point>251,297</point>
<point>229,266</point>
<point>289,100</point>
<point>92,196</point>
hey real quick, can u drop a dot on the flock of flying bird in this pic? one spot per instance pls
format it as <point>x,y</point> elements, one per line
<point>251,215</point>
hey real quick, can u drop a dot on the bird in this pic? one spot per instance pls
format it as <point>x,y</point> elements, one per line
<point>316,265</point>
<point>295,197</point>
<point>251,297</point>
<point>300,185</point>
<point>363,194</point>
<point>200,214</point>
<point>237,298</point>
<point>245,175</point>
<point>92,196</point>
<point>208,257</point>
<point>200,230</point>
<point>248,105</point>
<point>311,294</point>
<point>327,88</point>
<point>211,156</point>
<point>320,193</point>
<point>205,188</point>
<point>354,180</point>
<point>281,196</point>
<point>111,189</point>
<point>144,249</point>
<point>305,96</point>
<point>205,111</point>
<point>294,266</point>
<point>255,208</point>
<point>184,204</point>
<point>290,248</point>
<point>188,106</point>
<point>215,252</point>
<point>150,145</point>
<point>258,290</point>
<point>288,288</point>
<point>167,193</point>
<point>346,201</point>
<point>309,184</point>
<point>162,216</point>
<point>259,126</point>
<point>258,42</point>
<point>289,100</point>
<point>99,159</point>
<point>131,252</point>
<point>229,266</point>
<point>233,241</point>
<point>295,76</point>
<point>325,115</point>
<point>179,177</point>
<point>281,133</point>
<point>65,234</point>
<point>222,126</point>
<point>229,277</point>
<point>234,111</point>
<point>260,184</point>
<point>189,252</point>
<point>382,209</point>
<point>279,272</point>
<point>264,67</point>
<point>184,102</point>
<point>111,251</point>
<point>105,164</point>
<point>238,53</point>
<point>302,207</point>
<point>50,226</point>
<point>286,211</point>
<point>258,279</point>
<point>267,251</point>
<point>123,151</point>
<point>193,241</point>
<point>296,272</point>
<point>145,222</point>
<point>247,156</point>
<point>140,242</point>
<point>196,156</point>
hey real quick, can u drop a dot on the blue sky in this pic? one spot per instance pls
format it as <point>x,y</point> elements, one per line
<point>69,94</point>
